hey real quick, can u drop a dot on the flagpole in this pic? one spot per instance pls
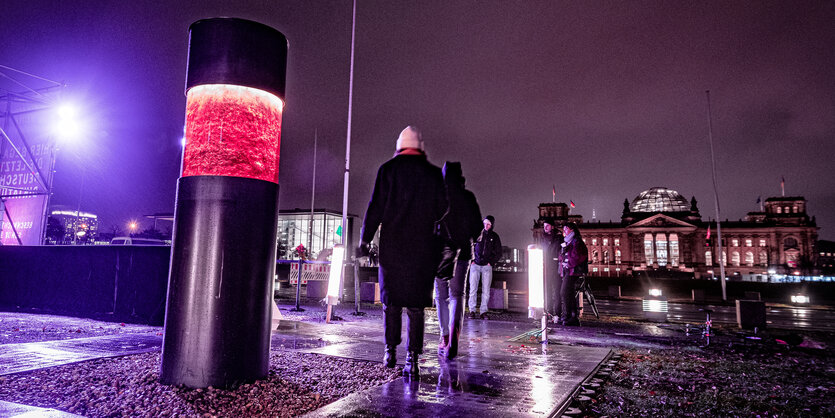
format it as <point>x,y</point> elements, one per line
<point>313,190</point>
<point>720,255</point>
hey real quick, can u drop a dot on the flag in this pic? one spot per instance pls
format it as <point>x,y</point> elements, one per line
<point>554,192</point>
<point>759,199</point>
<point>339,230</point>
<point>707,239</point>
<point>572,203</point>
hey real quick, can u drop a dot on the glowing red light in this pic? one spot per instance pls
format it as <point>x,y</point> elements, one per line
<point>232,131</point>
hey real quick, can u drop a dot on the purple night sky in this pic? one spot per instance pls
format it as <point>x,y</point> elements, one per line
<point>601,99</point>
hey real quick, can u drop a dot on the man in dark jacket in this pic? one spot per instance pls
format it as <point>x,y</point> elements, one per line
<point>574,264</point>
<point>488,251</point>
<point>460,226</point>
<point>407,200</point>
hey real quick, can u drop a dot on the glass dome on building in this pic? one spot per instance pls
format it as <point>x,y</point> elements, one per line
<point>659,199</point>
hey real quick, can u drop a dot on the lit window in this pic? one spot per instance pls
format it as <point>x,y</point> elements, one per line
<point>674,249</point>
<point>661,249</point>
<point>617,256</point>
<point>594,256</point>
<point>735,242</point>
<point>762,243</point>
<point>708,258</point>
<point>794,209</point>
<point>735,258</point>
<point>617,241</point>
<point>606,256</point>
<point>749,258</point>
<point>763,258</point>
<point>594,241</point>
<point>779,209</point>
<point>749,242</point>
<point>605,268</point>
<point>648,253</point>
<point>594,270</point>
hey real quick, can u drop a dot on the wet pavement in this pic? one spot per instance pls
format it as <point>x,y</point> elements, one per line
<point>492,376</point>
<point>16,358</point>
<point>8,409</point>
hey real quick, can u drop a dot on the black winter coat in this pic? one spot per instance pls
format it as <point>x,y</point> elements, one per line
<point>407,200</point>
<point>488,249</point>
<point>463,218</point>
<point>574,258</point>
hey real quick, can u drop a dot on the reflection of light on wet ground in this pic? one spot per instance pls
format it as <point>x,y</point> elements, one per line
<point>541,390</point>
<point>803,313</point>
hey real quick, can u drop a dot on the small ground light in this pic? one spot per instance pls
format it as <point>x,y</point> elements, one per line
<point>655,292</point>
<point>335,278</point>
<point>655,306</point>
<point>800,299</point>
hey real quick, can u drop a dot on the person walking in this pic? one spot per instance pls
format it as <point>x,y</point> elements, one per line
<point>551,240</point>
<point>408,199</point>
<point>488,251</point>
<point>459,227</point>
<point>574,263</point>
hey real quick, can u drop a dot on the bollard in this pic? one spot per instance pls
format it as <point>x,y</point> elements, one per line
<point>218,309</point>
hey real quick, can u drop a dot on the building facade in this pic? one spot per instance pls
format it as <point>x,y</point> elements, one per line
<point>318,231</point>
<point>662,234</point>
<point>78,227</point>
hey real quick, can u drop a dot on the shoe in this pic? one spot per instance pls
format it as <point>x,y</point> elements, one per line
<point>472,315</point>
<point>411,369</point>
<point>573,322</point>
<point>390,356</point>
<point>483,316</point>
<point>443,344</point>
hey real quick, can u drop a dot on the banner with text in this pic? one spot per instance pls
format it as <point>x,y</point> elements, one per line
<point>24,200</point>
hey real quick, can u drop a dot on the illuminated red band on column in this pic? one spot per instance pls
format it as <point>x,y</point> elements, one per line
<point>232,131</point>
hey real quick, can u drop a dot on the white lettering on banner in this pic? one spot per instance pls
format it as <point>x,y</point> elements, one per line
<point>309,272</point>
<point>24,197</point>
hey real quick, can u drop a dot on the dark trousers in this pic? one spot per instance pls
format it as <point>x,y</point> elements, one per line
<point>392,318</point>
<point>570,309</point>
<point>553,294</point>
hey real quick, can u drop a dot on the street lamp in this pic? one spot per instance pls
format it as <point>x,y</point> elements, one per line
<point>67,122</point>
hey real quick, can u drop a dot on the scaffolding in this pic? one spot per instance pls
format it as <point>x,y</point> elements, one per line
<point>25,176</point>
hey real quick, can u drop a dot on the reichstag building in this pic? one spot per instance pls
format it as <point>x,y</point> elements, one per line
<point>662,233</point>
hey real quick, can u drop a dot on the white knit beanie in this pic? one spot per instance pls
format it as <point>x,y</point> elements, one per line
<point>409,138</point>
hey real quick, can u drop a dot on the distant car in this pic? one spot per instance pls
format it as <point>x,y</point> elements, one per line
<point>136,241</point>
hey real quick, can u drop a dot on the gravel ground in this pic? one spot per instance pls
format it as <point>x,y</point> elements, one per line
<point>129,386</point>
<point>779,374</point>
